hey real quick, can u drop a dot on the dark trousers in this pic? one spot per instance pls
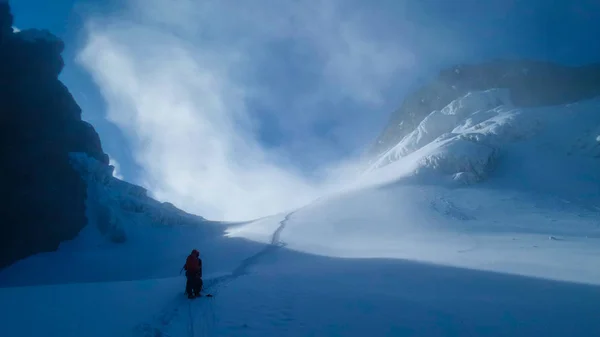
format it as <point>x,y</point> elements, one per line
<point>193,284</point>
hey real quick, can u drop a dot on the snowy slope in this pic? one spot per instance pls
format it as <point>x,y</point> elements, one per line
<point>479,185</point>
<point>485,221</point>
<point>121,270</point>
<point>535,209</point>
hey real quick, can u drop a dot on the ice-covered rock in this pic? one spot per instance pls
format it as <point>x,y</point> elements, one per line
<point>116,208</point>
<point>456,117</point>
<point>471,161</point>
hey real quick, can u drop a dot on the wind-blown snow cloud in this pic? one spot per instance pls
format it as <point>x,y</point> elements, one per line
<point>193,84</point>
<point>117,170</point>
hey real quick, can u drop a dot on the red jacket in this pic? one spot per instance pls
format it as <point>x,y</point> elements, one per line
<point>193,265</point>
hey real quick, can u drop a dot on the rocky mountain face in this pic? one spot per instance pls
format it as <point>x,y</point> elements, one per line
<point>43,196</point>
<point>530,84</point>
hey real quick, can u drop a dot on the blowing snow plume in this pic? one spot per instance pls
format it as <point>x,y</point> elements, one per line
<point>193,84</point>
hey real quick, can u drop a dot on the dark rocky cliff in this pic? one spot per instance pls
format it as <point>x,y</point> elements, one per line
<point>531,83</point>
<point>42,199</point>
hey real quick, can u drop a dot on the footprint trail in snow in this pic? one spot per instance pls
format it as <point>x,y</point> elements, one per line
<point>199,314</point>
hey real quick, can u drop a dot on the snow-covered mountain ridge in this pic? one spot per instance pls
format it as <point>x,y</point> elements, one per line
<point>467,139</point>
<point>530,83</point>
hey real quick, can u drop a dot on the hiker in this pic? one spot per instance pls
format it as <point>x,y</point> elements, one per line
<point>193,273</point>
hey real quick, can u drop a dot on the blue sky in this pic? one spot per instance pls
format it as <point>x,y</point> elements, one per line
<point>225,107</point>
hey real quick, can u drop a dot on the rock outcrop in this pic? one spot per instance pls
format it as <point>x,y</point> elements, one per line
<point>43,197</point>
<point>530,84</point>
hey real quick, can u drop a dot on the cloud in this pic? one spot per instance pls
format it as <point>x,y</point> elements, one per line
<point>15,29</point>
<point>117,170</point>
<point>193,84</point>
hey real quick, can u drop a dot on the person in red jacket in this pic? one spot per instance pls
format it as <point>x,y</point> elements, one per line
<point>193,273</point>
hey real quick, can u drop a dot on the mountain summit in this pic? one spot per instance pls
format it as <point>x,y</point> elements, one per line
<point>530,83</point>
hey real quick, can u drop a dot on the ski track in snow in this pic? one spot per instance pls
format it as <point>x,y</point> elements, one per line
<point>165,319</point>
